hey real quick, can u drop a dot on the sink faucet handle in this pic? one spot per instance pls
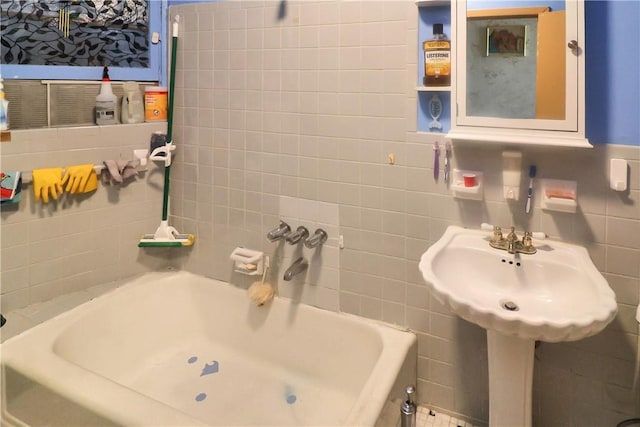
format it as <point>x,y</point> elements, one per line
<point>526,239</point>
<point>497,234</point>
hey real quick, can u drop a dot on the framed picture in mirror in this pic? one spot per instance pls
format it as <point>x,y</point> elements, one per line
<point>506,40</point>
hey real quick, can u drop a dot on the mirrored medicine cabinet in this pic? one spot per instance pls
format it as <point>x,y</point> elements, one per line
<point>518,72</point>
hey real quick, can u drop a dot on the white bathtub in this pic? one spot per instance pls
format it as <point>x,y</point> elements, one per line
<point>183,350</point>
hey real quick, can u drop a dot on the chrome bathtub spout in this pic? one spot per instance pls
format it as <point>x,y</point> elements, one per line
<point>281,231</point>
<point>318,238</point>
<point>296,268</point>
<point>300,233</point>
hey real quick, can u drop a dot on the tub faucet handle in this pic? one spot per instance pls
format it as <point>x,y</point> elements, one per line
<point>300,233</point>
<point>319,237</point>
<point>281,231</point>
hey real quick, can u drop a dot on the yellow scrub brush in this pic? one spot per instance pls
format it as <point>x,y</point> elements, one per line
<point>261,292</point>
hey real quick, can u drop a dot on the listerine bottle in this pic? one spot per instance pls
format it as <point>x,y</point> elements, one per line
<point>437,59</point>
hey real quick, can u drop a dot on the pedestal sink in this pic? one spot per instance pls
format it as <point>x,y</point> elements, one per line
<point>554,295</point>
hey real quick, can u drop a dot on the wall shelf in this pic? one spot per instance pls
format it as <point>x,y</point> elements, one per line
<point>459,190</point>
<point>433,88</point>
<point>517,136</point>
<point>431,12</point>
<point>432,3</point>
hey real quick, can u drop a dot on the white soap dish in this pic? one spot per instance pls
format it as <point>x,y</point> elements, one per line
<point>559,195</point>
<point>461,191</point>
<point>247,261</point>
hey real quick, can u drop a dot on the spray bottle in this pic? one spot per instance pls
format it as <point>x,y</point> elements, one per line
<point>106,102</point>
<point>4,108</point>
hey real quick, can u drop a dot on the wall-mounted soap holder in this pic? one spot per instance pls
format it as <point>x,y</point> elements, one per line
<point>465,191</point>
<point>247,261</point>
<point>559,195</point>
<point>618,174</point>
<point>511,173</point>
<point>141,156</point>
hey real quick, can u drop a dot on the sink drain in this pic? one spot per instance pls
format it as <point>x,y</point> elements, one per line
<point>510,305</point>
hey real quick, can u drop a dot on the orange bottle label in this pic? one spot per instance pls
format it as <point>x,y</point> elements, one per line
<point>437,63</point>
<point>435,44</point>
<point>155,106</point>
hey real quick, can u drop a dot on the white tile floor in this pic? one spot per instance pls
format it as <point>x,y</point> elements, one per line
<point>427,417</point>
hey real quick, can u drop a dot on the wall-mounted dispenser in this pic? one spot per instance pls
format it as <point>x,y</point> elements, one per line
<point>618,174</point>
<point>511,173</point>
<point>141,156</point>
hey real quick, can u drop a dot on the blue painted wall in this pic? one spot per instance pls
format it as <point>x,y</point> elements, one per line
<point>612,70</point>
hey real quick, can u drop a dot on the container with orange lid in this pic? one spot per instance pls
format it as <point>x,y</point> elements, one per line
<point>155,104</point>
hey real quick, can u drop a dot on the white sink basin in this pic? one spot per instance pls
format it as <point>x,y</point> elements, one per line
<point>558,294</point>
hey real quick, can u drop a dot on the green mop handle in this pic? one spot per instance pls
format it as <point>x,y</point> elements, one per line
<point>172,85</point>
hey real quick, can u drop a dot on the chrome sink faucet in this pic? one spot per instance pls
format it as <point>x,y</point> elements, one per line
<point>511,243</point>
<point>297,267</point>
<point>280,232</point>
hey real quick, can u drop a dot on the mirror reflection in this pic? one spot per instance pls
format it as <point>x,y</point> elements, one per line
<point>515,64</point>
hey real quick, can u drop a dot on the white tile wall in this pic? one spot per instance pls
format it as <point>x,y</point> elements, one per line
<point>82,241</point>
<point>305,111</point>
<point>319,284</point>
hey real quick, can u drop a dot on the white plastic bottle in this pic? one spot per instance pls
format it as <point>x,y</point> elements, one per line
<point>4,108</point>
<point>106,102</point>
<point>132,106</point>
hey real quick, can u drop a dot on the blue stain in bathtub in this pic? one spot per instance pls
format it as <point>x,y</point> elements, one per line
<point>192,359</point>
<point>200,397</point>
<point>290,395</point>
<point>210,369</point>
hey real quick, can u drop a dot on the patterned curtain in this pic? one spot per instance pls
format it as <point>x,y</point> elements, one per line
<point>94,32</point>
